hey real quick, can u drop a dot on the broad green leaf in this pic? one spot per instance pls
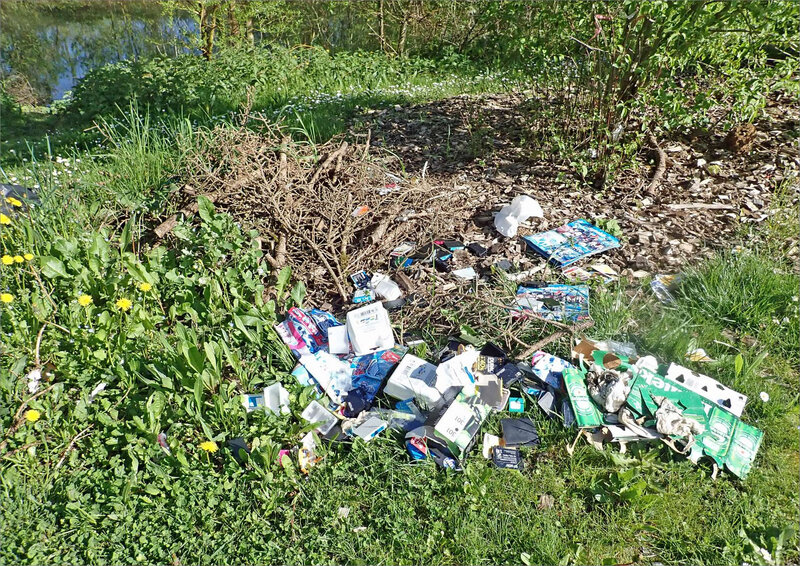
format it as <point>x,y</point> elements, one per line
<point>298,293</point>
<point>198,392</point>
<point>194,357</point>
<point>211,354</point>
<point>52,267</point>
<point>126,238</point>
<point>284,275</point>
<point>155,406</point>
<point>205,208</point>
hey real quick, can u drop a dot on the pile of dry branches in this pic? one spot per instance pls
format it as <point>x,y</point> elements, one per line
<point>308,201</point>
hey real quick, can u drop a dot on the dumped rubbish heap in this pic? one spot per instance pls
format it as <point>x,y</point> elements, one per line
<point>367,382</point>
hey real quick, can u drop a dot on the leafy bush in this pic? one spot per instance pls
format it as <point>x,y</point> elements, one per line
<point>198,87</point>
<point>9,108</point>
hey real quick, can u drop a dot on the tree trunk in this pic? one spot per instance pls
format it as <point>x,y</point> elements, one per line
<point>381,28</point>
<point>401,44</point>
<point>208,28</point>
<point>233,22</point>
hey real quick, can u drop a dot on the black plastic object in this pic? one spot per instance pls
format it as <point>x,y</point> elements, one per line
<point>493,351</point>
<point>508,458</point>
<point>510,374</point>
<point>519,432</point>
<point>394,305</point>
<point>478,250</point>
<point>442,266</point>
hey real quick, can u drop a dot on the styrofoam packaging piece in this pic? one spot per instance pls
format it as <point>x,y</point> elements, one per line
<point>276,399</point>
<point>316,413</point>
<point>337,340</point>
<point>521,208</point>
<point>414,378</point>
<point>384,287</point>
<point>369,329</point>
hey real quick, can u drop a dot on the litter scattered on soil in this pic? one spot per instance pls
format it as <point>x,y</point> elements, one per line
<point>393,224</point>
<point>438,409</point>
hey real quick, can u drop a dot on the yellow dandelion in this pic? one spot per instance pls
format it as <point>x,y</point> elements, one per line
<point>13,202</point>
<point>85,300</point>
<point>18,258</point>
<point>209,446</point>
<point>4,219</point>
<point>145,287</point>
<point>28,257</point>
<point>32,415</point>
<point>6,298</point>
<point>7,260</point>
<point>124,304</point>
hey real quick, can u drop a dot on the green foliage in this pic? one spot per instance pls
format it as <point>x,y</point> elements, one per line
<point>210,88</point>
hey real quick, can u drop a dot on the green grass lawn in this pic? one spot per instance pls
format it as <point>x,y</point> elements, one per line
<point>177,359</point>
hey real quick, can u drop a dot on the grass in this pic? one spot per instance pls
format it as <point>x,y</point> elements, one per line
<point>119,498</point>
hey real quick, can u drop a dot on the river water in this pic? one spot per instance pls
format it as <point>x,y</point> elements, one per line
<point>45,49</point>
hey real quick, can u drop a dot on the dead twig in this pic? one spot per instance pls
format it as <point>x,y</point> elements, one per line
<point>535,347</point>
<point>661,164</point>
<point>328,160</point>
<point>77,437</point>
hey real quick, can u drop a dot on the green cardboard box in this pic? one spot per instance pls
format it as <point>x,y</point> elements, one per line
<point>726,439</point>
<point>586,412</point>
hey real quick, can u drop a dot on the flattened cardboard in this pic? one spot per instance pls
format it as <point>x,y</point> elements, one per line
<point>708,388</point>
<point>460,423</point>
<point>727,440</point>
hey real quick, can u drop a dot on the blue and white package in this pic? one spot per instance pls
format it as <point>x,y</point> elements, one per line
<point>324,320</point>
<point>571,242</point>
<point>549,369</point>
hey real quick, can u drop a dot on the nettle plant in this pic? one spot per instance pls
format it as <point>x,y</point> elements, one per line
<point>174,334</point>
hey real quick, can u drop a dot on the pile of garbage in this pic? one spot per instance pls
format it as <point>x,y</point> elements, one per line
<point>366,383</point>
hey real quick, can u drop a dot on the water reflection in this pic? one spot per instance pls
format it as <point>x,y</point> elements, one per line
<point>46,49</point>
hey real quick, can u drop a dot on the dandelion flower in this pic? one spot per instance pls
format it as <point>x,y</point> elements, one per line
<point>85,300</point>
<point>7,260</point>
<point>18,258</point>
<point>4,219</point>
<point>13,202</point>
<point>209,446</point>
<point>6,297</point>
<point>28,257</point>
<point>124,304</point>
<point>145,287</point>
<point>32,415</point>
